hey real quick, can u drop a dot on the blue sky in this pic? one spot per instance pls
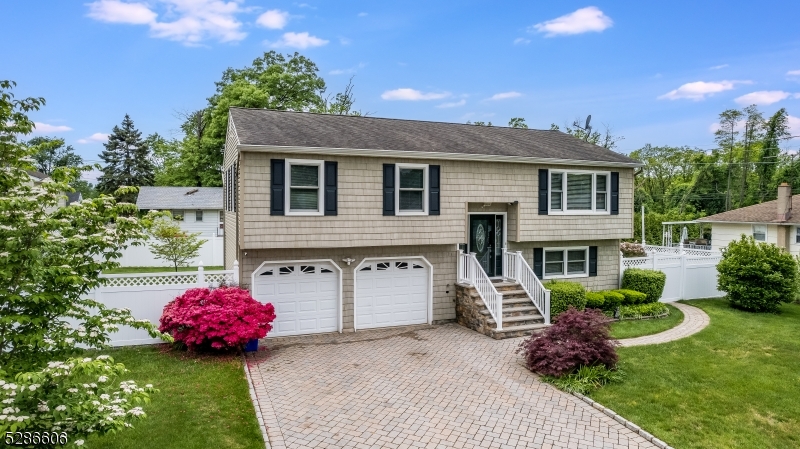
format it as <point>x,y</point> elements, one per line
<point>656,72</point>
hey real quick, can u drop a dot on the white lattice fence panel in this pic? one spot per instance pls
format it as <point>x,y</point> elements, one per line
<point>637,262</point>
<point>154,280</point>
<point>691,275</point>
<point>219,278</point>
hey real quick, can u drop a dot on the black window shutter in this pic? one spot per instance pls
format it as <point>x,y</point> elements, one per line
<point>433,200</point>
<point>614,193</point>
<point>592,261</point>
<point>538,262</point>
<point>277,186</point>
<point>331,172</point>
<point>388,189</point>
<point>544,180</point>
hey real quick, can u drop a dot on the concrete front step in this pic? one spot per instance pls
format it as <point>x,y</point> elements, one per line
<point>518,320</point>
<point>514,311</point>
<point>518,331</point>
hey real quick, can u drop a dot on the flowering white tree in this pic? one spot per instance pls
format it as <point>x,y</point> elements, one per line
<point>50,258</point>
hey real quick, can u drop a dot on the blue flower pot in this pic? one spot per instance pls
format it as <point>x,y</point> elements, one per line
<point>251,346</point>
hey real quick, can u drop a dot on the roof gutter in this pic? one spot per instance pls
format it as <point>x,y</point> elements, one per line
<point>431,155</point>
<point>783,223</point>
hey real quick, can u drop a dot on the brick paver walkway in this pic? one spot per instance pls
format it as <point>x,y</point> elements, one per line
<point>694,320</point>
<point>419,387</point>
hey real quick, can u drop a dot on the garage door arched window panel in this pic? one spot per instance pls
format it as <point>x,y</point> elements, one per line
<point>393,292</point>
<point>306,295</point>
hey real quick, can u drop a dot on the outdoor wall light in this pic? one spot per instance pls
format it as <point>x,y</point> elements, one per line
<point>348,261</point>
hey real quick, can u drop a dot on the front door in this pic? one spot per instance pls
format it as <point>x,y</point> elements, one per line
<point>486,241</point>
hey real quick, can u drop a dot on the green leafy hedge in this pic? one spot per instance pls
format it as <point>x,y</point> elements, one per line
<point>757,276</point>
<point>595,300</point>
<point>564,294</point>
<point>613,300</point>
<point>643,310</point>
<point>649,282</point>
<point>631,297</point>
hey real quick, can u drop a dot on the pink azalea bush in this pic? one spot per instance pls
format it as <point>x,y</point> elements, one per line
<point>225,317</point>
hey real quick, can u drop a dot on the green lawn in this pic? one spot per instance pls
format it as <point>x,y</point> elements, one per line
<point>736,384</point>
<point>639,328</point>
<point>122,270</point>
<point>203,402</point>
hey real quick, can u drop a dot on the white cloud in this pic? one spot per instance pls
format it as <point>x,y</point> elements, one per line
<point>360,65</point>
<point>413,95</point>
<point>362,14</point>
<point>115,11</point>
<point>274,19</point>
<point>505,95</point>
<point>698,90</point>
<point>187,21</point>
<point>763,97</point>
<point>581,21</point>
<point>793,73</point>
<point>717,67</point>
<point>794,125</point>
<point>521,40</point>
<point>298,40</point>
<point>96,137</point>
<point>453,104</point>
<point>345,41</point>
<point>41,128</point>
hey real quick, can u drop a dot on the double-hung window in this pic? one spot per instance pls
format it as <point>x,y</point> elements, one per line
<point>579,192</point>
<point>760,233</point>
<point>303,181</point>
<point>198,215</point>
<point>412,191</point>
<point>566,262</point>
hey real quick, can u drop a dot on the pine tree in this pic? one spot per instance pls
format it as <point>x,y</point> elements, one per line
<point>127,161</point>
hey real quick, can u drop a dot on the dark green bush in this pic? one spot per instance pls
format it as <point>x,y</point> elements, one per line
<point>757,276</point>
<point>613,300</point>
<point>649,282</point>
<point>631,297</point>
<point>643,310</point>
<point>564,294</point>
<point>595,300</point>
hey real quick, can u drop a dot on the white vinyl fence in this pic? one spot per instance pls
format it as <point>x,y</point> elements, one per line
<point>146,294</point>
<point>691,273</point>
<point>140,256</point>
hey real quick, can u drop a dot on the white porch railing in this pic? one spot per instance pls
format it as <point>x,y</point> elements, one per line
<point>515,267</point>
<point>470,272</point>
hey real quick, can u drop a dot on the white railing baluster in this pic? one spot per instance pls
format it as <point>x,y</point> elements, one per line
<point>523,274</point>
<point>473,274</point>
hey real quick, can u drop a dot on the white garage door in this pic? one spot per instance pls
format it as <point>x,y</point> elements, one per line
<point>305,296</point>
<point>392,293</point>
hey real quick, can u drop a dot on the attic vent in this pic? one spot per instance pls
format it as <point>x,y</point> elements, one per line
<point>193,191</point>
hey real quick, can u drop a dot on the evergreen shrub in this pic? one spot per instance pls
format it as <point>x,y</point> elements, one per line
<point>649,282</point>
<point>564,294</point>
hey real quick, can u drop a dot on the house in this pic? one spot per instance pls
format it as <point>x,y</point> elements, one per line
<point>347,223</point>
<point>74,197</point>
<point>198,209</point>
<point>770,222</point>
<point>37,178</point>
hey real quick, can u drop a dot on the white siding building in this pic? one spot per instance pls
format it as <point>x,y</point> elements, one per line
<point>199,209</point>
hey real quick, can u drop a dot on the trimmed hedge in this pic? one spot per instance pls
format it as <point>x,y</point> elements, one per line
<point>631,297</point>
<point>649,282</point>
<point>564,294</point>
<point>643,310</point>
<point>595,300</point>
<point>613,300</point>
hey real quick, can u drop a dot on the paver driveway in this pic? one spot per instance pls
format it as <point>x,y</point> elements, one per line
<point>429,387</point>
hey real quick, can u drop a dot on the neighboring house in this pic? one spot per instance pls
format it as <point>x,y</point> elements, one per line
<point>198,209</point>
<point>36,178</point>
<point>74,197</point>
<point>349,222</point>
<point>771,222</point>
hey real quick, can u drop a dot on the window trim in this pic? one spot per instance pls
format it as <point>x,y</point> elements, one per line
<point>198,212</point>
<point>425,191</point>
<point>564,196</point>
<point>766,232</point>
<point>565,249</point>
<point>320,187</point>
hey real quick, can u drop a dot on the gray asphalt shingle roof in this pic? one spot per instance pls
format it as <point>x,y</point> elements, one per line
<point>766,212</point>
<point>303,129</point>
<point>179,198</point>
